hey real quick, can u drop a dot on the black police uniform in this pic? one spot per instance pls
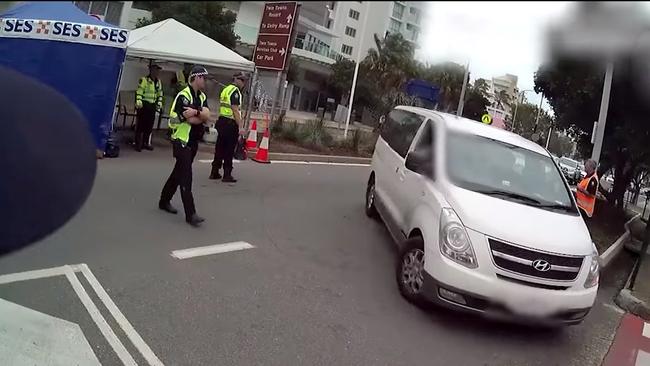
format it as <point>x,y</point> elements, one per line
<point>184,154</point>
<point>224,149</point>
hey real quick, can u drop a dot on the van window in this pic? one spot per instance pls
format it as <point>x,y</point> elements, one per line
<point>400,129</point>
<point>425,142</point>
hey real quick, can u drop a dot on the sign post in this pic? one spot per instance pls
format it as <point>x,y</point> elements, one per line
<point>274,40</point>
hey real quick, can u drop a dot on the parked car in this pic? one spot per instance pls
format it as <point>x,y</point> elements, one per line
<point>570,169</point>
<point>483,220</point>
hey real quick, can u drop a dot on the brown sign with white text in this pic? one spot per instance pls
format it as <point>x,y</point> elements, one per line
<point>273,41</point>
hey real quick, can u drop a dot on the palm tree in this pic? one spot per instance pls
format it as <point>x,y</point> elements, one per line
<point>392,63</point>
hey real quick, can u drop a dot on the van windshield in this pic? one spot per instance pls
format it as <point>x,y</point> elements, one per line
<point>506,171</point>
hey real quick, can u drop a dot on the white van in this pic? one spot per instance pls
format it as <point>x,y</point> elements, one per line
<point>484,219</point>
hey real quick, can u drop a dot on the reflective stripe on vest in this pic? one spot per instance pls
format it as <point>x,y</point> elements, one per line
<point>587,202</point>
<point>149,91</point>
<point>225,109</point>
<point>181,130</point>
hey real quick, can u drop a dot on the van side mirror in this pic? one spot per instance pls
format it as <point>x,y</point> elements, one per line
<point>421,162</point>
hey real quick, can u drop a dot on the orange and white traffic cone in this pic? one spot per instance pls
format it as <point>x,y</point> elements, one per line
<point>251,141</point>
<point>262,155</point>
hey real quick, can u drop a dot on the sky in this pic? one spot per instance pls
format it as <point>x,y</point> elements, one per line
<point>494,37</point>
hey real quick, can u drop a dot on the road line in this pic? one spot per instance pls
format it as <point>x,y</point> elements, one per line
<point>317,163</point>
<point>210,249</point>
<point>103,326</point>
<point>646,330</point>
<point>123,322</point>
<point>32,275</point>
<point>210,161</point>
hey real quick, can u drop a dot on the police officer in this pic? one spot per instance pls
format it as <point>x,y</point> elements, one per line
<point>229,126</point>
<point>188,113</point>
<point>587,189</point>
<point>148,100</point>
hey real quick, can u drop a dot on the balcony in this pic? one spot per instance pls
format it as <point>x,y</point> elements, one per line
<point>317,51</point>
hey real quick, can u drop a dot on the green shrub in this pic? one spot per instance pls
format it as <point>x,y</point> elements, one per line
<point>290,131</point>
<point>314,134</point>
<point>278,125</point>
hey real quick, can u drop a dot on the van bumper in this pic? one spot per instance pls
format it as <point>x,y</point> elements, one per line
<point>453,298</point>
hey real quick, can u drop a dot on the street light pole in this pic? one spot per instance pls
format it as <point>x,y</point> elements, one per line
<point>602,116</point>
<point>461,102</point>
<point>356,71</point>
<point>514,116</point>
<point>539,110</point>
<point>548,138</point>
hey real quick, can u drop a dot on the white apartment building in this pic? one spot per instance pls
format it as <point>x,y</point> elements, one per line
<point>506,83</point>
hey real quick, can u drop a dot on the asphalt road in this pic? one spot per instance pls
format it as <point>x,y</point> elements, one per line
<point>317,289</point>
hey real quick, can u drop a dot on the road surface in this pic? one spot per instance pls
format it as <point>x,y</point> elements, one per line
<point>317,288</point>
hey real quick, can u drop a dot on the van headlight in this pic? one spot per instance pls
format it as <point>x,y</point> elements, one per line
<point>594,271</point>
<point>454,241</point>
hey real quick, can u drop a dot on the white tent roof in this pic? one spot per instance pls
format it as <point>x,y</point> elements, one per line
<point>171,40</point>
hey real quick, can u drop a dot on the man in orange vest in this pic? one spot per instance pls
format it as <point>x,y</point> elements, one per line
<point>587,189</point>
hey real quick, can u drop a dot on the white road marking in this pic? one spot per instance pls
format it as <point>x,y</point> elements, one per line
<point>103,326</point>
<point>210,161</point>
<point>642,358</point>
<point>123,322</point>
<point>32,275</point>
<point>29,337</point>
<point>646,330</point>
<point>210,249</point>
<point>300,162</point>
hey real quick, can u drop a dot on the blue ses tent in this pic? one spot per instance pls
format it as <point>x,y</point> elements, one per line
<point>75,53</point>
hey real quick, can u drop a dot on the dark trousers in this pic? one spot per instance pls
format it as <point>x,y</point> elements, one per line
<point>224,149</point>
<point>181,176</point>
<point>146,116</point>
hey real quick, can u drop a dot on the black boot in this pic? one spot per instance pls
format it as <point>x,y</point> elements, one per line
<point>166,206</point>
<point>195,220</point>
<point>148,147</point>
<point>215,175</point>
<point>138,142</point>
<point>229,179</point>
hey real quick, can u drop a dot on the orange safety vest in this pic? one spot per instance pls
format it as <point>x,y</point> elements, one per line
<point>585,201</point>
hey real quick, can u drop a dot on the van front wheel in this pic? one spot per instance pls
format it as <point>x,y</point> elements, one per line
<point>410,271</point>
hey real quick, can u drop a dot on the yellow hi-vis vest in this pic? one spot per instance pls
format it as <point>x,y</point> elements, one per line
<point>149,91</point>
<point>225,109</point>
<point>181,130</point>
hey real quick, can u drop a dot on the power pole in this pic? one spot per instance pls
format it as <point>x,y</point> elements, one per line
<point>602,116</point>
<point>461,102</point>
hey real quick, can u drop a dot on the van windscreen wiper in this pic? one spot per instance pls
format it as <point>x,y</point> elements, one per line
<point>521,197</point>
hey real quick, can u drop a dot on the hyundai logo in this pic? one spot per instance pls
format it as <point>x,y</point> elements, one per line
<point>541,265</point>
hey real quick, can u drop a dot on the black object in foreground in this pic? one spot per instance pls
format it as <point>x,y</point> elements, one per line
<point>47,160</point>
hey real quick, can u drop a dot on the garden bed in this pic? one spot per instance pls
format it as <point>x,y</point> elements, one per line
<point>607,225</point>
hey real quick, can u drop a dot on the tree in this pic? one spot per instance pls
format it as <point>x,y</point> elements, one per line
<point>449,77</point>
<point>476,100</point>
<point>207,17</point>
<point>560,144</point>
<point>524,125</point>
<point>340,81</point>
<point>574,88</point>
<point>392,63</point>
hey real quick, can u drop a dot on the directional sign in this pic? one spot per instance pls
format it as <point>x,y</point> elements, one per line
<point>273,42</point>
<point>487,119</point>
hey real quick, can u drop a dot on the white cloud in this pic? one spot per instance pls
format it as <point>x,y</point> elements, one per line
<point>495,37</point>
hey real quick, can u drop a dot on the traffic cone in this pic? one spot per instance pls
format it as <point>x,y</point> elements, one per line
<point>262,155</point>
<point>251,141</point>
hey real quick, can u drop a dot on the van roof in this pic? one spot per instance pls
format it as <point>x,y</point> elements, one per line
<point>477,128</point>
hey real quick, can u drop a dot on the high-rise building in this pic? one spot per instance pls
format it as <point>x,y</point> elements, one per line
<point>503,92</point>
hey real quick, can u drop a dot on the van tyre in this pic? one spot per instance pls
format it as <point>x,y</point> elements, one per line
<point>371,209</point>
<point>410,271</point>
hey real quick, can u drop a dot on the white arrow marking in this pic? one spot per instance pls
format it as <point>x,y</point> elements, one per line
<point>282,51</point>
<point>289,17</point>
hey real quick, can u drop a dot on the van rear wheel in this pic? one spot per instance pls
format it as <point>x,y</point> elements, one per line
<point>410,271</point>
<point>371,210</point>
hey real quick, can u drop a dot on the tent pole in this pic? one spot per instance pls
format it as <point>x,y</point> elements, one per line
<point>251,94</point>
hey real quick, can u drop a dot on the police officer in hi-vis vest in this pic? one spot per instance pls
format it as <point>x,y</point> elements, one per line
<point>148,100</point>
<point>229,126</point>
<point>188,113</point>
<point>587,189</point>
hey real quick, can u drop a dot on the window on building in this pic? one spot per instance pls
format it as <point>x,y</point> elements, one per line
<point>109,10</point>
<point>354,14</point>
<point>144,5</point>
<point>329,23</point>
<point>394,26</point>
<point>415,15</point>
<point>413,32</point>
<point>346,49</point>
<point>350,32</point>
<point>398,10</point>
